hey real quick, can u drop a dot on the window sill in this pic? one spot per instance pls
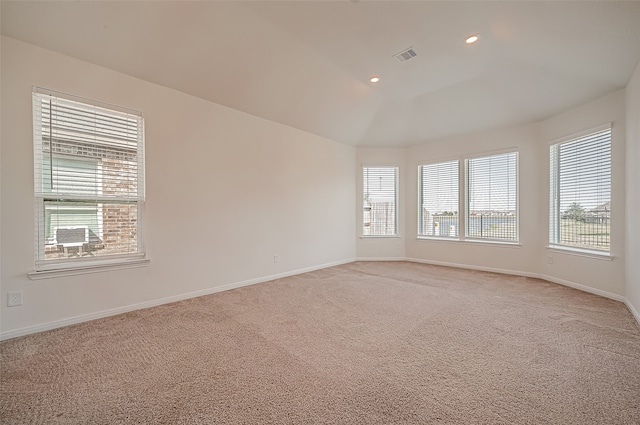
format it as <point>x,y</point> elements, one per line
<point>379,236</point>
<point>493,242</point>
<point>95,267</point>
<point>598,255</point>
<point>438,238</point>
<point>471,241</point>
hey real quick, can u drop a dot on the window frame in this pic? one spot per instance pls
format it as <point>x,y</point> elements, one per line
<point>467,197</point>
<point>458,202</point>
<point>554,221</point>
<point>43,195</point>
<point>396,230</point>
<point>48,227</point>
<point>463,199</point>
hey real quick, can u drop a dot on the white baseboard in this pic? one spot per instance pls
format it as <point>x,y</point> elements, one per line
<point>105,313</point>
<point>472,267</point>
<point>548,278</point>
<point>382,259</point>
<point>153,303</point>
<point>633,310</point>
<point>584,288</point>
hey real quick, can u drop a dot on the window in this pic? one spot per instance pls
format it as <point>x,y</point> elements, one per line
<point>492,197</point>
<point>89,180</point>
<point>380,211</point>
<point>438,199</point>
<point>580,192</point>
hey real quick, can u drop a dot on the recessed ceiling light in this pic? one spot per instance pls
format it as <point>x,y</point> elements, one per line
<point>471,39</point>
<point>374,79</point>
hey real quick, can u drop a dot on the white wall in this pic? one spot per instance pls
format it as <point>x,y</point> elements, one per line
<point>632,289</point>
<point>531,256</point>
<point>225,192</point>
<point>207,227</point>
<point>518,258</point>
<point>605,275</point>
<point>381,247</point>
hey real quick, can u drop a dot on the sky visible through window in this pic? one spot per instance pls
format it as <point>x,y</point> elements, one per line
<point>492,183</point>
<point>585,174</point>
<point>379,184</point>
<point>440,187</point>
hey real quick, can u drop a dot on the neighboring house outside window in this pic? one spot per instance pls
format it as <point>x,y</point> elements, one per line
<point>580,192</point>
<point>89,180</point>
<point>380,201</point>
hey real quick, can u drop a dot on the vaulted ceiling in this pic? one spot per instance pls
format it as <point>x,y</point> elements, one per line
<point>307,64</point>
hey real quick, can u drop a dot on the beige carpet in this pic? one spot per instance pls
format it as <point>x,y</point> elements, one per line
<point>363,343</point>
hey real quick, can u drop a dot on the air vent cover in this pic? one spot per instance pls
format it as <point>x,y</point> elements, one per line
<point>405,54</point>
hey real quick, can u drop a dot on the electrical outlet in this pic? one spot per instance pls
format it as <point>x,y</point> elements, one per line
<point>275,258</point>
<point>549,259</point>
<point>14,299</point>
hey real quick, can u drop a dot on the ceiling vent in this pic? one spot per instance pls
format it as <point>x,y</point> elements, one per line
<point>405,54</point>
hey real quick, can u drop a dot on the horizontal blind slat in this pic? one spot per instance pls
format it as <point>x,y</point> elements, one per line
<point>492,197</point>
<point>89,174</point>
<point>438,199</point>
<point>580,203</point>
<point>380,201</point>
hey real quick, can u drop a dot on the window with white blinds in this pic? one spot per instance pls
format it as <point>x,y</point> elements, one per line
<point>380,201</point>
<point>492,197</point>
<point>439,199</point>
<point>89,179</point>
<point>580,192</point>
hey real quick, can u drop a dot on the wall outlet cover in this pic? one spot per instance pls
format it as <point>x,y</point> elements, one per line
<point>14,299</point>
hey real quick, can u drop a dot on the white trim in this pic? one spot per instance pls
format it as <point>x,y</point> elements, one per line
<point>73,269</point>
<point>471,242</point>
<point>54,267</point>
<point>160,301</point>
<point>379,165</point>
<point>597,255</point>
<point>556,185</point>
<point>420,203</point>
<point>92,102</point>
<point>396,200</point>
<point>439,238</point>
<point>473,267</point>
<point>602,127</point>
<point>439,161</point>
<point>372,259</point>
<point>147,304</point>
<point>548,278</point>
<point>583,288</point>
<point>493,152</point>
<point>632,309</point>
<point>492,242</point>
<point>467,196</point>
<point>380,237</point>
<point>64,264</point>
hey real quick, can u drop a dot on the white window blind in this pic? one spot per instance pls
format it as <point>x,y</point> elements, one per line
<point>580,192</point>
<point>438,199</point>
<point>380,201</point>
<point>89,179</point>
<point>492,197</point>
